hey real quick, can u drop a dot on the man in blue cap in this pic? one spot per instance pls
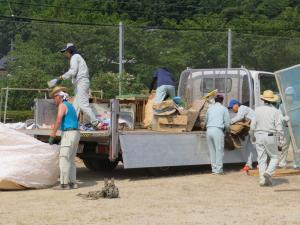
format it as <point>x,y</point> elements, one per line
<point>243,113</point>
<point>217,122</point>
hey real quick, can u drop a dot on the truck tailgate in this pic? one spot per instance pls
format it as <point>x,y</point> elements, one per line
<point>141,149</point>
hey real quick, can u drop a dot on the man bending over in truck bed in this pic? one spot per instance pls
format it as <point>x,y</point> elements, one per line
<point>165,84</point>
<point>243,113</point>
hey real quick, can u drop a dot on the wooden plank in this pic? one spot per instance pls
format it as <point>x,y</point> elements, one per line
<point>278,172</point>
<point>193,113</point>
<point>175,120</point>
<point>170,128</point>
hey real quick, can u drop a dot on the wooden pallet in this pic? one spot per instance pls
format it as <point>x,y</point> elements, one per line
<point>278,172</point>
<point>172,123</point>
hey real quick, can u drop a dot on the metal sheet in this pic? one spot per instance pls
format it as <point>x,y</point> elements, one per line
<point>288,81</point>
<point>150,149</point>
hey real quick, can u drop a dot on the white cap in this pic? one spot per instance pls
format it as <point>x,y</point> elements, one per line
<point>62,94</point>
<point>68,45</point>
<point>289,91</point>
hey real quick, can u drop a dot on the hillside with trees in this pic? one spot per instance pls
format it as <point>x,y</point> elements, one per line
<point>174,34</point>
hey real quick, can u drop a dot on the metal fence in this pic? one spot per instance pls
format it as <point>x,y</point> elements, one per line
<point>4,97</point>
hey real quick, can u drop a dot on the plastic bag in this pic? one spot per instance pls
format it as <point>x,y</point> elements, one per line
<point>27,161</point>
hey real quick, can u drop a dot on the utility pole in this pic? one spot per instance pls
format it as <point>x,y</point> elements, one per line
<point>229,51</point>
<point>121,55</point>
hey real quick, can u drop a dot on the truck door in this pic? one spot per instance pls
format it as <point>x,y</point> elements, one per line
<point>266,81</point>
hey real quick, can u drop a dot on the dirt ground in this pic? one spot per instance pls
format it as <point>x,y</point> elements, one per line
<point>188,196</point>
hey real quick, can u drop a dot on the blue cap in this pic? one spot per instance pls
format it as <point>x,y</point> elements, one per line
<point>232,103</point>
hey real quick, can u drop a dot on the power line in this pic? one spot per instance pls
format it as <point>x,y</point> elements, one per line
<point>120,3</point>
<point>27,19</point>
<point>147,28</point>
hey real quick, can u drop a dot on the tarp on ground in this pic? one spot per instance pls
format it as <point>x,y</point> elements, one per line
<point>26,161</point>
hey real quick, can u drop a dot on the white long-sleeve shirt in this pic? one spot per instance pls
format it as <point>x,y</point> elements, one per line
<point>78,69</point>
<point>217,116</point>
<point>244,112</point>
<point>267,119</point>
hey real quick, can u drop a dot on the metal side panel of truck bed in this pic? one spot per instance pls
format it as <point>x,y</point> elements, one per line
<point>84,135</point>
<point>161,149</point>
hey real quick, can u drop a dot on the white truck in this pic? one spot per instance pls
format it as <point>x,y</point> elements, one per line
<point>142,148</point>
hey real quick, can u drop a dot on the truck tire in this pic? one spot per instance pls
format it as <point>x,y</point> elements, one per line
<point>100,164</point>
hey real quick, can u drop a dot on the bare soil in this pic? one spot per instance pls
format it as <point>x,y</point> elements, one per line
<point>188,196</point>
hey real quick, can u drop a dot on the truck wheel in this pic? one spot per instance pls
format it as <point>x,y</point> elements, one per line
<point>159,171</point>
<point>88,164</point>
<point>100,164</point>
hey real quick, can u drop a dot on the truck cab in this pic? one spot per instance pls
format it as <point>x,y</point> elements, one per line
<point>239,83</point>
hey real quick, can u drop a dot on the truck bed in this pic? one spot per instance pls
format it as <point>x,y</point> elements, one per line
<point>84,135</point>
<point>147,132</point>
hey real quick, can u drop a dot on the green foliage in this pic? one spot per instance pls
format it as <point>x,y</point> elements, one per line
<point>109,83</point>
<point>265,37</point>
<point>19,116</point>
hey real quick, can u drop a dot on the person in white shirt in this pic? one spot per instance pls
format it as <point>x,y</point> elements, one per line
<point>79,73</point>
<point>243,113</point>
<point>217,122</point>
<point>268,135</point>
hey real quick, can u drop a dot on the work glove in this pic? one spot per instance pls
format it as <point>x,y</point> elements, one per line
<point>52,83</point>
<point>51,140</point>
<point>286,118</point>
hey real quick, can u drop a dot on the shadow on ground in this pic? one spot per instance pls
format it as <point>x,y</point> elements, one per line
<point>89,178</point>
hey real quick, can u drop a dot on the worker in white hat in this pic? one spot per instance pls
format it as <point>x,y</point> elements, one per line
<point>79,73</point>
<point>268,134</point>
<point>67,122</point>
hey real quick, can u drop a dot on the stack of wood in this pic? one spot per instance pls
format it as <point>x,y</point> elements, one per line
<point>238,132</point>
<point>168,117</point>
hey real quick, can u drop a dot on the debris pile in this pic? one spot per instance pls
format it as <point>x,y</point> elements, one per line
<point>110,190</point>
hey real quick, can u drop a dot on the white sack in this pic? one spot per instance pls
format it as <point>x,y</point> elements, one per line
<point>27,161</point>
<point>15,126</point>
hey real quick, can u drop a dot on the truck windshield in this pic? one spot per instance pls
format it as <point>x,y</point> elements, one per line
<point>210,84</point>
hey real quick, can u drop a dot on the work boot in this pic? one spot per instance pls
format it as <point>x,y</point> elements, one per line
<point>296,167</point>
<point>268,179</point>
<point>262,183</point>
<point>62,187</point>
<point>218,173</point>
<point>73,185</point>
